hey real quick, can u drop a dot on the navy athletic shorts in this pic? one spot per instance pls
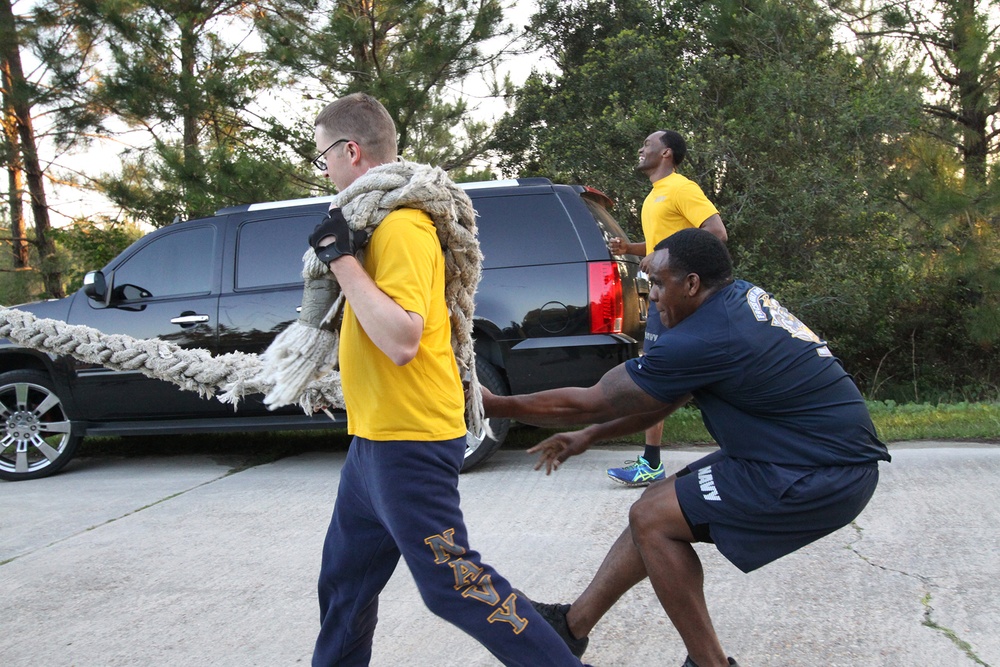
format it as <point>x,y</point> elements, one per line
<point>654,327</point>
<point>757,512</point>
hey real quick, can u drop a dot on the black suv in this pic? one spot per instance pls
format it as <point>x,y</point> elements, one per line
<point>554,309</point>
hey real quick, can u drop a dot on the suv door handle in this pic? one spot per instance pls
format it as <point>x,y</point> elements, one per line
<point>189,318</point>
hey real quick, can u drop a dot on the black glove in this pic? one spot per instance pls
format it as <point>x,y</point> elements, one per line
<point>346,241</point>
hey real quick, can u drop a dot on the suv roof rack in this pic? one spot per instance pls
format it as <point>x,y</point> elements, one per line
<point>306,201</point>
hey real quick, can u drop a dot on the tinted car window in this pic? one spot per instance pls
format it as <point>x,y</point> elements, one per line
<point>609,226</point>
<point>525,230</point>
<point>176,263</point>
<point>282,241</point>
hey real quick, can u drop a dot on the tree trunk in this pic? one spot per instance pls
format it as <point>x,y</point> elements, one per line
<point>190,107</point>
<point>19,240</point>
<point>968,55</point>
<point>15,177</point>
<point>10,54</point>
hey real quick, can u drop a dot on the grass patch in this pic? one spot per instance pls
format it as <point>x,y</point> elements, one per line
<point>921,421</point>
<point>894,422</point>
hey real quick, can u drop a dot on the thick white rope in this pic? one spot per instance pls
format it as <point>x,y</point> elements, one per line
<point>299,366</point>
<point>190,369</point>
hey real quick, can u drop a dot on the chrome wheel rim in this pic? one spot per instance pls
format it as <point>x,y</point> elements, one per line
<point>35,431</point>
<point>473,441</point>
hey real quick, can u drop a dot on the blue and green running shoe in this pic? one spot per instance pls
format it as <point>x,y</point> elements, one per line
<point>637,473</point>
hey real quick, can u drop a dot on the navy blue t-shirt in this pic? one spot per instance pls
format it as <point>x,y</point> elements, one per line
<point>768,388</point>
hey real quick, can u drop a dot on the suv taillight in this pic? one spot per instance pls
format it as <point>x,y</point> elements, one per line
<point>607,305</point>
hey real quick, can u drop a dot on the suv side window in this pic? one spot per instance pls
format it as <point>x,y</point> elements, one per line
<point>526,230</point>
<point>282,242</point>
<point>173,264</point>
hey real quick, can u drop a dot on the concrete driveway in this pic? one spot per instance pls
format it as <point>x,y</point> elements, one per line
<point>174,561</point>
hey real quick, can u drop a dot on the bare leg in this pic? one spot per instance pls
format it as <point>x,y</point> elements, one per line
<point>654,434</point>
<point>621,570</point>
<point>663,540</point>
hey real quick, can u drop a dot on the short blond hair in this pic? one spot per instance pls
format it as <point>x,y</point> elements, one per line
<point>362,119</point>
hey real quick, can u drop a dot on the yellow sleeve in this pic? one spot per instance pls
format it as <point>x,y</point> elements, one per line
<point>405,254</point>
<point>694,205</point>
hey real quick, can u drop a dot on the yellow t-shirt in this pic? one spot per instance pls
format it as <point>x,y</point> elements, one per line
<point>674,203</point>
<point>422,400</point>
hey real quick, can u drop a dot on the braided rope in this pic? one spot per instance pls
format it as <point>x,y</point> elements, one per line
<point>190,369</point>
<point>231,376</point>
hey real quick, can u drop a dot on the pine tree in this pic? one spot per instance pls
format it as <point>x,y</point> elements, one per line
<point>171,74</point>
<point>411,55</point>
<point>952,190</point>
<point>18,96</point>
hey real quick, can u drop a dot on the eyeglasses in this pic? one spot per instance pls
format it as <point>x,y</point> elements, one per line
<point>319,161</point>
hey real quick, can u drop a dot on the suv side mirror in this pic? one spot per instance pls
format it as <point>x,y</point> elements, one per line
<point>95,286</point>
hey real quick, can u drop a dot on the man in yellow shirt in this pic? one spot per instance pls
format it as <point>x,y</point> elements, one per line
<point>675,203</point>
<point>398,492</point>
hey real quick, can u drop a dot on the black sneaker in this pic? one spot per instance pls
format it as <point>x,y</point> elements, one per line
<point>555,615</point>
<point>691,663</point>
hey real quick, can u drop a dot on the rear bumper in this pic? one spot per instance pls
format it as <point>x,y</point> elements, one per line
<point>537,364</point>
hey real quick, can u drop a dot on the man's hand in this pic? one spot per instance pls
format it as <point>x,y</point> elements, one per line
<point>333,237</point>
<point>644,263</point>
<point>618,246</point>
<point>559,447</point>
<point>488,399</point>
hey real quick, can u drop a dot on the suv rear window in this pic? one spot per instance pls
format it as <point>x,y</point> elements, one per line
<point>526,230</point>
<point>609,226</point>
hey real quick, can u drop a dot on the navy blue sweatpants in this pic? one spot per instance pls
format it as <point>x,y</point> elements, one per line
<point>401,498</point>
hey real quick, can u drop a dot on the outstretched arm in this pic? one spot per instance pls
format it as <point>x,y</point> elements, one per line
<point>622,246</point>
<point>559,447</point>
<point>613,397</point>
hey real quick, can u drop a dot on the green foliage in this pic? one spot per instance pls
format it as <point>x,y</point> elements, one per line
<point>621,65</point>
<point>158,189</point>
<point>82,246</point>
<point>180,74</point>
<point>18,287</point>
<point>954,42</point>
<point>168,72</point>
<point>411,56</point>
<point>792,137</point>
<point>91,245</point>
<point>471,175</point>
<point>948,330</point>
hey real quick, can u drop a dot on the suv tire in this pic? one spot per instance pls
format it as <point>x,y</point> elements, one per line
<point>478,448</point>
<point>37,439</point>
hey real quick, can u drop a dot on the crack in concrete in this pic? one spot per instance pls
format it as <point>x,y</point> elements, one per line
<point>110,521</point>
<point>243,465</point>
<point>925,601</point>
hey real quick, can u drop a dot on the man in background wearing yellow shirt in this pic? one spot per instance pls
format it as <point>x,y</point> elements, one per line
<point>674,203</point>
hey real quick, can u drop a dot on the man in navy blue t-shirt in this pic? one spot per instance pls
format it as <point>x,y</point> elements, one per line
<point>798,455</point>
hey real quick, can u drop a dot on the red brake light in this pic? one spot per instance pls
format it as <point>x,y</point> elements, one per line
<point>607,305</point>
